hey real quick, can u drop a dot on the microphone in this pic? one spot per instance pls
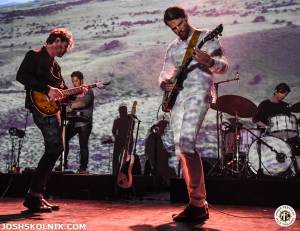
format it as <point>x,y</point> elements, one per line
<point>13,131</point>
<point>237,78</point>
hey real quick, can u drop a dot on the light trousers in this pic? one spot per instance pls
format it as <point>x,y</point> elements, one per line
<point>186,120</point>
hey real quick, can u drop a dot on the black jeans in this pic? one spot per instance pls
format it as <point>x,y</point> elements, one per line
<point>84,134</point>
<point>51,131</point>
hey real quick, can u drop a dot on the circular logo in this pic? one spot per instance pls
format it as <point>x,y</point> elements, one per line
<point>285,215</point>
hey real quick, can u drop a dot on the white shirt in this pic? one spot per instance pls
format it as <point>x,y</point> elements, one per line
<point>198,79</point>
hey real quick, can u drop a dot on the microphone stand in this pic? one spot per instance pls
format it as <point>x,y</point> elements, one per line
<point>63,134</point>
<point>137,133</point>
<point>259,143</point>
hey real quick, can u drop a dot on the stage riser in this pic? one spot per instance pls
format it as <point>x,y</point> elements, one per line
<point>75,186</point>
<point>271,192</point>
<point>243,192</point>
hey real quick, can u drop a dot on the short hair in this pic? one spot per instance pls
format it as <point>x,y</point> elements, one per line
<point>63,34</point>
<point>174,12</point>
<point>77,74</point>
<point>282,87</point>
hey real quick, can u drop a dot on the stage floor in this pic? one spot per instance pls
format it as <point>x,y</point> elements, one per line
<point>150,214</point>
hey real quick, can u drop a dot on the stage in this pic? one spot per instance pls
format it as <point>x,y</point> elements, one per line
<point>94,202</point>
<point>152,213</point>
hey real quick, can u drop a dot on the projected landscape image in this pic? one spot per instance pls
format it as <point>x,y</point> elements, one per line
<point>125,41</point>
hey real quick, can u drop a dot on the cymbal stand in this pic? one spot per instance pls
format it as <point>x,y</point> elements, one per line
<point>63,134</point>
<point>237,144</point>
<point>219,117</point>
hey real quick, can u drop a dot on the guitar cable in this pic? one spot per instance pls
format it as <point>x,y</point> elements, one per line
<point>238,216</point>
<point>20,148</point>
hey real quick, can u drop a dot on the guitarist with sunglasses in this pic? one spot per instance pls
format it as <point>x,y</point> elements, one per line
<point>40,72</point>
<point>192,102</point>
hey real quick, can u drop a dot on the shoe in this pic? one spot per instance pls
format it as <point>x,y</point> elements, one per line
<point>192,214</point>
<point>36,204</point>
<point>58,168</point>
<point>82,171</point>
<point>52,206</point>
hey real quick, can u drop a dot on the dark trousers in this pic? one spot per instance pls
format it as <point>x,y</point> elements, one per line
<point>84,134</point>
<point>51,131</point>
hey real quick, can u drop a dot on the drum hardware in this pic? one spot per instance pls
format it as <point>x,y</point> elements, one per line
<point>264,154</point>
<point>271,154</point>
<point>219,118</point>
<point>283,126</point>
<point>236,105</point>
<point>280,157</point>
<point>14,163</point>
<point>239,107</point>
<point>295,108</point>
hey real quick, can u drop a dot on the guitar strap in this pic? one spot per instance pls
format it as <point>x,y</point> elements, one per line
<point>192,44</point>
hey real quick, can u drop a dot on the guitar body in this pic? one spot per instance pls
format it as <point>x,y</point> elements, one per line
<point>43,104</point>
<point>169,98</point>
<point>49,107</point>
<point>124,177</point>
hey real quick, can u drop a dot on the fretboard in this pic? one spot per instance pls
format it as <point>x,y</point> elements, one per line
<point>77,90</point>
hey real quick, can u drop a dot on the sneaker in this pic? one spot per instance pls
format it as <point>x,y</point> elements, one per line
<point>82,171</point>
<point>192,214</point>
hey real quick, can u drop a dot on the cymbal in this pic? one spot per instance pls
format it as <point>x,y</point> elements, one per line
<point>236,105</point>
<point>295,108</point>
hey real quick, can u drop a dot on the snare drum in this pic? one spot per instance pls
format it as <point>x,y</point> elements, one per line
<point>283,126</point>
<point>270,163</point>
<point>246,139</point>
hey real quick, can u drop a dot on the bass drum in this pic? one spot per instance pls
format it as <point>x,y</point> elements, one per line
<point>270,163</point>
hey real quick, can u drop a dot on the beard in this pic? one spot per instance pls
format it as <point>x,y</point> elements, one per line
<point>184,34</point>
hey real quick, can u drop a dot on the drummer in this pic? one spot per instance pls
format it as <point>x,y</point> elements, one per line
<point>82,107</point>
<point>273,106</point>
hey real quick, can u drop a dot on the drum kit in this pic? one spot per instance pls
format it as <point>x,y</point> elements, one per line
<point>248,151</point>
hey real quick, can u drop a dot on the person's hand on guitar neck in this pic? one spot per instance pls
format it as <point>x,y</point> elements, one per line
<point>167,86</point>
<point>203,58</point>
<point>84,88</point>
<point>55,94</point>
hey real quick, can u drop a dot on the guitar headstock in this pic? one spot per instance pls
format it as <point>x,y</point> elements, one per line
<point>100,84</point>
<point>214,33</point>
<point>133,109</point>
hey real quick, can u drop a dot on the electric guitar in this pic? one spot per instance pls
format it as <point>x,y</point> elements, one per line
<point>49,107</point>
<point>169,98</point>
<point>124,178</point>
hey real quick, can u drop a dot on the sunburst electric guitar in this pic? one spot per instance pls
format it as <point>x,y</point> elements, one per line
<point>49,107</point>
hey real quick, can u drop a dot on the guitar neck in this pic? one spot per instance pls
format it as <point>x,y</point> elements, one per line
<point>77,90</point>
<point>200,45</point>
